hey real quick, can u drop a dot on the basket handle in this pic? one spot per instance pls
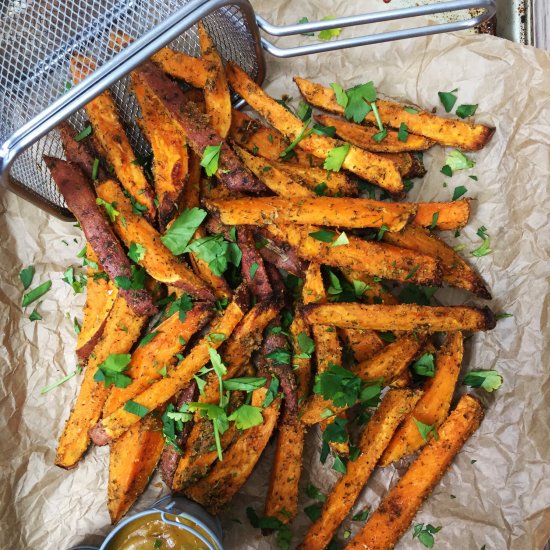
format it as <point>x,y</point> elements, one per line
<point>488,7</point>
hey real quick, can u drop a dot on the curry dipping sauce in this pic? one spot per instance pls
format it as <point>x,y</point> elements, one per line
<point>150,532</point>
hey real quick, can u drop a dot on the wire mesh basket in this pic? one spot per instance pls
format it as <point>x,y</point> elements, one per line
<point>39,37</point>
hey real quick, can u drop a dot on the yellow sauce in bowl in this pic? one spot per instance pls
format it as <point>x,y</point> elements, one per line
<point>151,533</point>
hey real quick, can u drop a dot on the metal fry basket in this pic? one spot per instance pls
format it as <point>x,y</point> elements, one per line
<point>39,37</point>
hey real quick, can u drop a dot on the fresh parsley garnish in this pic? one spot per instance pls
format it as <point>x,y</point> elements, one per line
<point>110,372</point>
<point>280,356</point>
<point>148,338</point>
<point>489,380</point>
<point>341,240</point>
<point>448,99</point>
<point>110,208</point>
<point>459,191</point>
<point>246,416</point>
<point>135,282</point>
<point>306,345</point>
<point>403,132</point>
<point>336,157</point>
<point>253,269</point>
<point>424,365</point>
<point>172,423</point>
<point>465,111</point>
<point>361,516</point>
<point>36,293</point>
<point>284,534</point>
<point>246,383</point>
<point>35,316</point>
<point>302,21</point>
<point>435,217</point>
<point>182,230</point>
<point>26,275</point>
<point>95,169</point>
<point>84,133</point>
<point>380,136</point>
<point>181,305</point>
<point>136,252</point>
<point>426,429</point>
<point>323,235</point>
<point>62,380</point>
<point>425,534</point>
<point>329,34</point>
<point>447,171</point>
<point>217,252</point>
<point>76,281</point>
<point>457,160</point>
<point>210,158</point>
<point>343,387</point>
<point>135,408</point>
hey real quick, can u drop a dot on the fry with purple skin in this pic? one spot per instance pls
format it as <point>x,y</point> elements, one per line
<point>200,134</point>
<point>82,203</point>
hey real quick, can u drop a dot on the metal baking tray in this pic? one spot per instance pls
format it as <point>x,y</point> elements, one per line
<point>514,18</point>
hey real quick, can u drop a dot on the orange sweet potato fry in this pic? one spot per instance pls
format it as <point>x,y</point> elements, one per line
<point>122,329</point>
<point>446,131</point>
<point>396,511</point>
<point>433,407</point>
<point>133,459</point>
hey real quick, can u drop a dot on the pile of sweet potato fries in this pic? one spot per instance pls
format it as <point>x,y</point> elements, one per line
<point>239,287</point>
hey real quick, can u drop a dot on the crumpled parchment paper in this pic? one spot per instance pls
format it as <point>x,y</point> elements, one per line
<point>501,479</point>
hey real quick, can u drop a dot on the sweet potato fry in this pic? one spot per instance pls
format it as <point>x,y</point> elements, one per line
<point>223,481</point>
<point>360,213</point>
<point>199,455</point>
<point>79,152</point>
<point>433,407</point>
<point>456,271</point>
<point>409,317</point>
<point>172,450</point>
<point>446,131</point>
<point>192,70</point>
<point>82,202</point>
<point>114,425</point>
<point>374,439</point>
<point>149,359</point>
<point>100,297</point>
<point>170,154</point>
<point>133,459</point>
<point>392,361</point>
<point>378,259</point>
<point>363,163</point>
<point>302,365</point>
<point>113,143</point>
<point>199,132</point>
<point>446,215</point>
<point>122,329</point>
<point>363,343</point>
<point>158,261</point>
<point>327,344</point>
<point>318,180</point>
<point>282,494</point>
<point>279,253</point>
<point>252,265</point>
<point>266,142</point>
<point>392,518</point>
<point>277,180</point>
<point>216,90</point>
<point>361,136</point>
<point>190,199</point>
